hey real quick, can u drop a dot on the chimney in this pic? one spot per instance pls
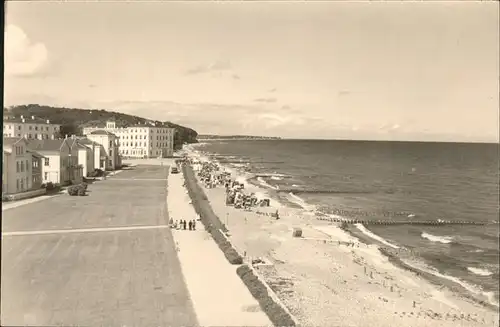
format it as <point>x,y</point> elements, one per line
<point>48,121</point>
<point>32,117</point>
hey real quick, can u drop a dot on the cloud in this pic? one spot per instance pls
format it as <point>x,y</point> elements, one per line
<point>266,100</point>
<point>272,90</point>
<point>23,57</point>
<point>220,65</point>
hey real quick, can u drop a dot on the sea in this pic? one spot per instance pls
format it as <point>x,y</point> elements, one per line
<point>389,180</point>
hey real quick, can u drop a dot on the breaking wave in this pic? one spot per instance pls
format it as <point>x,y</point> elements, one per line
<point>439,239</point>
<point>479,271</point>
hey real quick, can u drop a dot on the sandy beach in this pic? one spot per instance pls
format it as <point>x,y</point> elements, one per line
<point>325,282</point>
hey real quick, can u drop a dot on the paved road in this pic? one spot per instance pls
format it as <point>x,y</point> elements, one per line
<point>85,260</point>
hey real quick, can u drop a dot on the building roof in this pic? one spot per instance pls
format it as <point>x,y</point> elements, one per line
<point>36,154</point>
<point>27,120</point>
<point>102,132</point>
<point>86,142</point>
<point>8,141</point>
<point>46,145</point>
<point>76,142</point>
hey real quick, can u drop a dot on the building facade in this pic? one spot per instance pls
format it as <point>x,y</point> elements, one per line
<point>109,159</point>
<point>30,128</point>
<point>140,141</point>
<point>59,165</point>
<point>36,169</point>
<point>16,170</point>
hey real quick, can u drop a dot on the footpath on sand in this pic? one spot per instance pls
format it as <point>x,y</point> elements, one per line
<point>218,295</point>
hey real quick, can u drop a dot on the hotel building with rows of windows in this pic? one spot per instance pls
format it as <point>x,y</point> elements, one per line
<point>140,141</point>
<point>30,128</point>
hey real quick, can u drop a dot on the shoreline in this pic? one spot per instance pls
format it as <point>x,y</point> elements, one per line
<point>397,261</point>
<point>245,237</point>
<point>454,286</point>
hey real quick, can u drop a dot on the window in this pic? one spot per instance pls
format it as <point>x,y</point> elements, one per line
<point>27,166</point>
<point>36,136</point>
<point>17,167</point>
<point>30,127</point>
<point>22,166</point>
<point>17,184</point>
<point>27,183</point>
<point>29,136</point>
<point>19,127</point>
<point>46,176</point>
<point>47,128</point>
<point>36,128</point>
<point>35,163</point>
<point>47,161</point>
<point>22,184</point>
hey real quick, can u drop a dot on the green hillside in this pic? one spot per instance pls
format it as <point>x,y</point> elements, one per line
<point>73,120</point>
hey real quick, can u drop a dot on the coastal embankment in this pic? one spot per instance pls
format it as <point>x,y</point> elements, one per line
<point>328,277</point>
<point>268,301</point>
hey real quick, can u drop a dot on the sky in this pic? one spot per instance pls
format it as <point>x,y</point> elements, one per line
<point>425,71</point>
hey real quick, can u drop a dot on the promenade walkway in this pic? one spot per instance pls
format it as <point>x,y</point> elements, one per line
<point>219,296</point>
<point>107,259</point>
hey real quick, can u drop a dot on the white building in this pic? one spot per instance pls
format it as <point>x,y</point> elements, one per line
<point>60,163</point>
<point>109,159</point>
<point>140,141</point>
<point>29,128</point>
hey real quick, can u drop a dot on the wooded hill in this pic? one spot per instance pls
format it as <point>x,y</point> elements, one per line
<point>73,120</point>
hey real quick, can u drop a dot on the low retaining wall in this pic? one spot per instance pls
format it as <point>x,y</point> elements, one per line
<point>24,195</point>
<point>209,219</point>
<point>268,301</point>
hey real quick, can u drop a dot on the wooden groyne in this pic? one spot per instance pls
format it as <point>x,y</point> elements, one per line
<point>408,222</point>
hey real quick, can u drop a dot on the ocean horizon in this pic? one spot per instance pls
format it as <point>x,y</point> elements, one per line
<point>400,180</point>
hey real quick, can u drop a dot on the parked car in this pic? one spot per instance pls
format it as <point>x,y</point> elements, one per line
<point>174,170</point>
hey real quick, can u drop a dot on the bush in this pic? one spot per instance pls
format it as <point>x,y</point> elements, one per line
<point>96,173</point>
<point>75,190</point>
<point>277,315</point>
<point>48,186</point>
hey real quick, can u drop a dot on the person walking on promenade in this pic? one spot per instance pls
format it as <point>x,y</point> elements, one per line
<point>181,224</point>
<point>190,224</point>
<point>184,225</point>
<point>194,224</point>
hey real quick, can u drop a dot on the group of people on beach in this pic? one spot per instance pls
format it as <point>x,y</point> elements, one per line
<point>211,175</point>
<point>183,224</point>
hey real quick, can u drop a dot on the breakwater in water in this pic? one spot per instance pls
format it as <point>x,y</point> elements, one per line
<point>407,222</point>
